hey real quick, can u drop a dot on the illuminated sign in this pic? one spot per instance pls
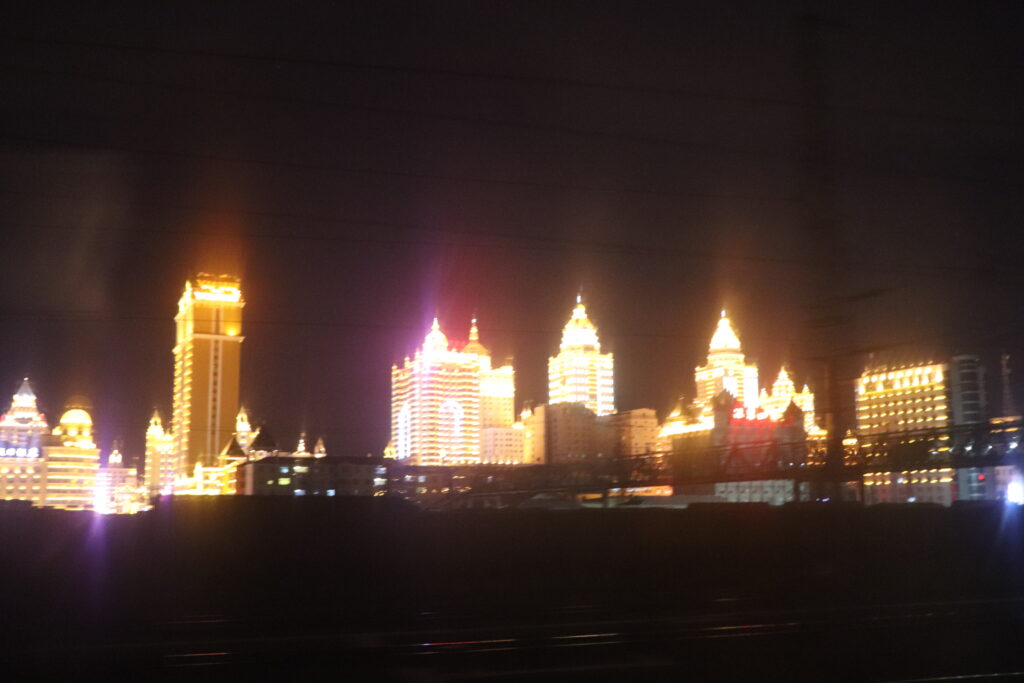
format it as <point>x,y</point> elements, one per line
<point>20,452</point>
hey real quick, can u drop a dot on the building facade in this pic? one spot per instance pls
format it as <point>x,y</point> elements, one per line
<point>207,354</point>
<point>161,466</point>
<point>292,474</point>
<point>71,462</point>
<point>443,398</point>
<point>580,373</point>
<point>23,425</point>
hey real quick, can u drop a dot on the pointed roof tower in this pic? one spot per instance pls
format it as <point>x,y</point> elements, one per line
<point>474,345</point>
<point>579,332</point>
<point>435,341</point>
<point>319,450</point>
<point>725,339</point>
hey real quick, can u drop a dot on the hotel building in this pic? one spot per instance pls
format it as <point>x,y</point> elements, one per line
<point>442,400</point>
<point>207,355</point>
<point>580,373</point>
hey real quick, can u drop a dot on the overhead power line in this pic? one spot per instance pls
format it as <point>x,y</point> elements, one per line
<point>494,76</point>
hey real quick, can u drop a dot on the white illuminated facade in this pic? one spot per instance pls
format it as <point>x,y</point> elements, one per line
<point>443,398</point>
<point>580,373</point>
<point>23,425</point>
<point>901,398</point>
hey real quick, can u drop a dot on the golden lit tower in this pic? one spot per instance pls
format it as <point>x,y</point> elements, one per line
<point>580,373</point>
<point>207,353</point>
<point>161,458</point>
<point>72,462</point>
<point>726,369</point>
<point>435,404</point>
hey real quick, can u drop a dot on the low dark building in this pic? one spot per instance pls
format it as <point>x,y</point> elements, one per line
<point>305,475</point>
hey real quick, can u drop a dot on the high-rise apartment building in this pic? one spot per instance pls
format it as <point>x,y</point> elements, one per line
<point>442,398</point>
<point>580,373</point>
<point>207,354</point>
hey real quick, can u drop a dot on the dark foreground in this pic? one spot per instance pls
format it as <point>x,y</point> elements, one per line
<point>310,589</point>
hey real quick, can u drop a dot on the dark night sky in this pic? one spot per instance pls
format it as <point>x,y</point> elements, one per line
<point>364,167</point>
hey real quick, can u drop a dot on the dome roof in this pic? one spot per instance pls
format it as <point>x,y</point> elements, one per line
<point>76,416</point>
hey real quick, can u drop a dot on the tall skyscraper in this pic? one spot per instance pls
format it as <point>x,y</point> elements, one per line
<point>442,398</point>
<point>727,369</point>
<point>580,373</point>
<point>207,355</point>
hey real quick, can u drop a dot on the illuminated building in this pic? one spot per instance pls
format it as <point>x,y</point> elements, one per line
<point>117,487</point>
<point>71,463</point>
<point>726,369</point>
<point>161,467</point>
<point>442,398</point>
<point>23,425</point>
<point>934,485</point>
<point>580,373</point>
<point>243,430</point>
<point>783,392</point>
<point>23,430</point>
<point>207,352</point>
<point>902,398</point>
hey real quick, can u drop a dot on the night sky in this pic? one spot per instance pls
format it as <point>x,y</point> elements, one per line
<point>841,178</point>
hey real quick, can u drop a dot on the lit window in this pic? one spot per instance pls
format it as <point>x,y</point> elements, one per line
<point>284,481</point>
<point>330,492</point>
<point>300,492</point>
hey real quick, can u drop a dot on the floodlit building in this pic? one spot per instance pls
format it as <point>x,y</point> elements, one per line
<point>161,466</point>
<point>783,392</point>
<point>726,369</point>
<point>207,354</point>
<point>23,430</point>
<point>71,462</point>
<point>117,487</point>
<point>442,398</point>
<point>23,425</point>
<point>580,373</point>
<point>902,398</point>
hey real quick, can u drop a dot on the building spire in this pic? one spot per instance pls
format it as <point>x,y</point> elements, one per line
<point>724,338</point>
